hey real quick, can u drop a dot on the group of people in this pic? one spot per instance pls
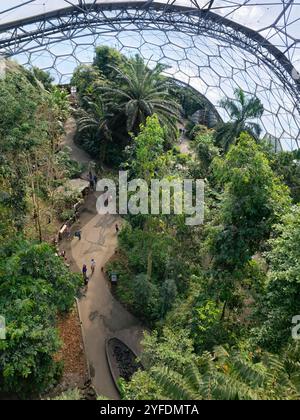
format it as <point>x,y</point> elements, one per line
<point>93,264</point>
<point>85,271</point>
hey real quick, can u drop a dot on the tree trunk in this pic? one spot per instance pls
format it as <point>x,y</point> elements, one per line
<point>149,266</point>
<point>36,207</point>
<point>223,311</point>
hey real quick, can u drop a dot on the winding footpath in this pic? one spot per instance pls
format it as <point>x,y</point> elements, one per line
<point>102,315</point>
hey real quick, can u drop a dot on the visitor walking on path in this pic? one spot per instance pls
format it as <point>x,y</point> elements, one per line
<point>117,229</point>
<point>84,273</point>
<point>93,265</point>
<point>78,234</point>
<point>91,180</point>
<point>95,182</point>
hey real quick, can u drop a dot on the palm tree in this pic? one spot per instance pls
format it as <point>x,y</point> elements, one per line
<point>140,92</point>
<point>95,118</point>
<point>242,111</point>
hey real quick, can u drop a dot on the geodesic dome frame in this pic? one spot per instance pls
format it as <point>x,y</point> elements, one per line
<point>203,43</point>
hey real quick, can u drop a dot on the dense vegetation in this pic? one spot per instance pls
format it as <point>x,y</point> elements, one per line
<point>218,298</point>
<point>35,284</point>
<point>232,283</point>
<point>116,94</point>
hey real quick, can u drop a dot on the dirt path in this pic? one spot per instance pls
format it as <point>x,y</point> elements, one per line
<point>184,143</point>
<point>184,146</point>
<point>102,315</point>
<point>76,153</point>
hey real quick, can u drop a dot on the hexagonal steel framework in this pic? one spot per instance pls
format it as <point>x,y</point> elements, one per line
<point>214,46</point>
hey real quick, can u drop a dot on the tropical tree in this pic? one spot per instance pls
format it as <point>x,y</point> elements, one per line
<point>85,77</point>
<point>95,118</point>
<point>106,59</point>
<point>242,112</point>
<point>147,158</point>
<point>139,92</point>
<point>254,199</point>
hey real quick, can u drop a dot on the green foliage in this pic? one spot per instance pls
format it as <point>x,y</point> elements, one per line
<point>287,166</point>
<point>253,200</point>
<point>63,202</point>
<point>139,92</point>
<point>145,286</point>
<point>59,100</point>
<point>34,285</point>
<point>116,95</point>
<point>30,129</point>
<point>189,127</point>
<point>198,130</point>
<point>19,101</point>
<point>43,77</point>
<point>173,371</point>
<point>85,78</point>
<point>281,301</point>
<point>207,325</point>
<point>189,99</point>
<point>147,158</point>
<point>169,293</point>
<point>70,395</point>
<point>136,243</point>
<point>71,168</point>
<point>146,298</point>
<point>26,356</point>
<point>171,350</point>
<point>206,152</point>
<point>101,132</point>
<point>94,120</point>
<point>243,112</point>
<point>225,377</point>
<point>107,59</point>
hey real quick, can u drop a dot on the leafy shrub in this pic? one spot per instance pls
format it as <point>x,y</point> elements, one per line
<point>34,285</point>
<point>197,130</point>
<point>70,167</point>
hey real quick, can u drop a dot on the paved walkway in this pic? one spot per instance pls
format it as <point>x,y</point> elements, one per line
<point>102,315</point>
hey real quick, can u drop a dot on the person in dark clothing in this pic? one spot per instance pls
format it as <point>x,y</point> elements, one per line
<point>95,179</point>
<point>84,273</point>
<point>78,234</point>
<point>91,180</point>
<point>92,184</point>
<point>117,229</point>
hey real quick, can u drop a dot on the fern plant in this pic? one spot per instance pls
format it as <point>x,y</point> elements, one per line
<point>231,377</point>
